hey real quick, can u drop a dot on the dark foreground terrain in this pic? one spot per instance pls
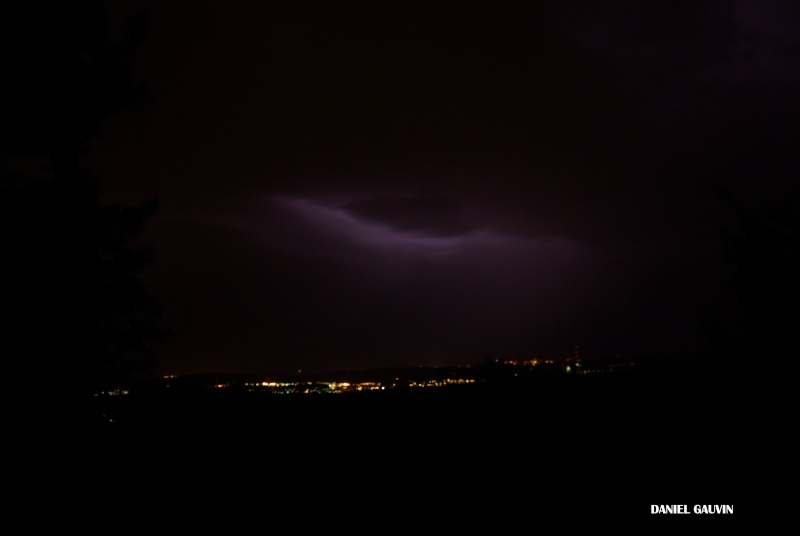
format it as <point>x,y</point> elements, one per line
<point>493,454</point>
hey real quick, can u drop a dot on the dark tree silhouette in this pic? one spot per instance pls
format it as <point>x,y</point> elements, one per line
<point>762,245</point>
<point>75,312</point>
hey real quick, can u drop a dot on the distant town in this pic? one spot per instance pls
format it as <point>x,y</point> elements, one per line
<point>389,378</point>
<point>494,389</point>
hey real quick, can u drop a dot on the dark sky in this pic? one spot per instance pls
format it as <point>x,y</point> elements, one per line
<point>364,184</point>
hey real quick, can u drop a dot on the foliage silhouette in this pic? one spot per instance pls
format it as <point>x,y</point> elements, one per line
<point>762,246</point>
<point>77,314</point>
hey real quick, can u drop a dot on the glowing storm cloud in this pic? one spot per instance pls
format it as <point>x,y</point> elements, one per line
<point>340,224</point>
<point>481,246</point>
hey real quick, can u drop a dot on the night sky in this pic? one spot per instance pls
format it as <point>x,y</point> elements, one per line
<point>367,184</point>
